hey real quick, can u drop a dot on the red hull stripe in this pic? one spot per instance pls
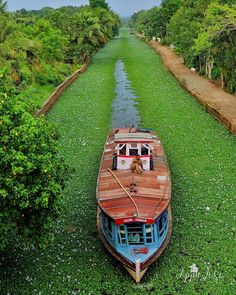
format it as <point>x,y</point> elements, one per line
<point>123,156</point>
<point>133,141</point>
<point>134,219</point>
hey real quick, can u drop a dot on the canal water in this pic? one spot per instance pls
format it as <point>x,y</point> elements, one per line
<point>124,107</point>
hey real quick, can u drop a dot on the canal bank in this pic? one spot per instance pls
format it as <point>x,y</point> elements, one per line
<point>215,100</point>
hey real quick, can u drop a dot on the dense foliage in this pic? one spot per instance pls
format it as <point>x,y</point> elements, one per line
<point>215,46</point>
<point>98,3</point>
<point>41,48</point>
<point>3,6</point>
<point>202,31</point>
<point>32,175</point>
<point>30,54</point>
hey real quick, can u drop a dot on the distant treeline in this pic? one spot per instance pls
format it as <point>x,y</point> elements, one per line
<point>202,31</point>
<point>41,47</point>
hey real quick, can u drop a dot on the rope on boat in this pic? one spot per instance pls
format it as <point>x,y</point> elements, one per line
<point>136,207</point>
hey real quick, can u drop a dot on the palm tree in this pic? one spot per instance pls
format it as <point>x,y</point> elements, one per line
<point>98,3</point>
<point>107,21</point>
<point>88,29</point>
<point>92,28</point>
<point>7,25</point>
<point>3,6</point>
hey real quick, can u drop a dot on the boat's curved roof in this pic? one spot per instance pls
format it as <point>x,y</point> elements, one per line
<point>134,136</point>
<point>152,188</point>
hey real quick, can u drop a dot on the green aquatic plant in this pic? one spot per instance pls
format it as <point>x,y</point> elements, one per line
<point>200,153</point>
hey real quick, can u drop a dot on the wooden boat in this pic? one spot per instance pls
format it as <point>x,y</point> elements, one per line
<point>134,214</point>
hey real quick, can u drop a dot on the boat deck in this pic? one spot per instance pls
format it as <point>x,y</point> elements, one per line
<point>150,191</point>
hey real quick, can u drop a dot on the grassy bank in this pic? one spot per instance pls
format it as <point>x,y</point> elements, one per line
<point>38,94</point>
<point>201,155</point>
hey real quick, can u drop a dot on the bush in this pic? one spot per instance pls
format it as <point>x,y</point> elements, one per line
<point>6,84</point>
<point>47,74</point>
<point>25,73</point>
<point>63,69</point>
<point>215,73</point>
<point>32,175</point>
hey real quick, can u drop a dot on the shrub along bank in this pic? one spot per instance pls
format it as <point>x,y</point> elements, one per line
<point>200,153</point>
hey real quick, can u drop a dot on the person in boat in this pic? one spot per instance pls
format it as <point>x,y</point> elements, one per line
<point>136,238</point>
<point>131,238</point>
<point>132,129</point>
<point>137,165</point>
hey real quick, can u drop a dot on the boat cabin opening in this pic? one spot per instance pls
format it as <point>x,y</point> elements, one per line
<point>126,152</point>
<point>134,233</point>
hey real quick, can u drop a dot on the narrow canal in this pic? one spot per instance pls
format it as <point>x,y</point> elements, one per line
<point>124,107</point>
<point>200,153</point>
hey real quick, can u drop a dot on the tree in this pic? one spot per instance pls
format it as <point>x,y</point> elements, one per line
<point>22,13</point>
<point>139,21</point>
<point>168,9</point>
<point>7,26</point>
<point>216,44</point>
<point>3,6</point>
<point>184,27</point>
<point>87,29</point>
<point>32,175</point>
<point>53,43</point>
<point>98,3</point>
<point>90,29</point>
<point>228,2</point>
<point>12,42</point>
<point>153,22</point>
<point>109,21</point>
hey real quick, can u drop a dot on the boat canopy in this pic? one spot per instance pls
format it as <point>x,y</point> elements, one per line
<point>136,137</point>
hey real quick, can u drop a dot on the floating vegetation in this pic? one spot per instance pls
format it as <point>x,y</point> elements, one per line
<point>201,155</point>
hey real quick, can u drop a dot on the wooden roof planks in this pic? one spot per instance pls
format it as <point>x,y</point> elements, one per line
<point>151,190</point>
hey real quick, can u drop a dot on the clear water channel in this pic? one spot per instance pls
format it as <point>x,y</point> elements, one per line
<point>124,107</point>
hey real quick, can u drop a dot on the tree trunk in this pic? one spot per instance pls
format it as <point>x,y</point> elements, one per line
<point>222,80</point>
<point>209,67</point>
<point>206,69</point>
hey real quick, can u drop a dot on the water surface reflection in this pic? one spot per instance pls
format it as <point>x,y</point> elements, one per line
<point>124,111</point>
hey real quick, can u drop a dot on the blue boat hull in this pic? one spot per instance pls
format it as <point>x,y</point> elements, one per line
<point>128,255</point>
